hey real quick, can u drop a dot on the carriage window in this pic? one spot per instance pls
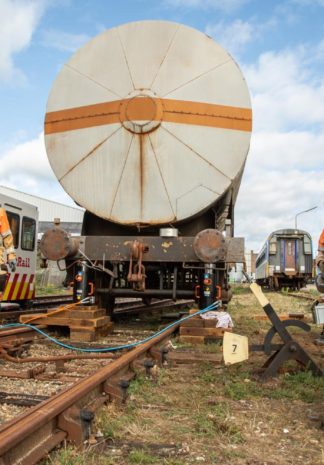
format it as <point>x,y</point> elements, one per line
<point>307,245</point>
<point>289,248</point>
<point>262,256</point>
<point>13,219</point>
<point>273,247</point>
<point>28,233</point>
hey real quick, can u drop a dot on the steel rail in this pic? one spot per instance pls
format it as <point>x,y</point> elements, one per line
<point>21,334</point>
<point>29,437</point>
<point>159,305</point>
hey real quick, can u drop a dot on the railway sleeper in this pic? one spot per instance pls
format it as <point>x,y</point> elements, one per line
<point>116,387</point>
<point>77,421</point>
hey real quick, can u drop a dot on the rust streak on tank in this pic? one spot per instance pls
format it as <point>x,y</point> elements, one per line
<point>141,170</point>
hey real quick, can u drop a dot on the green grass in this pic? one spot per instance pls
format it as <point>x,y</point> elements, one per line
<point>141,457</point>
<point>302,386</point>
<point>240,289</point>
<point>297,386</point>
<point>215,422</point>
<point>69,456</point>
<point>209,373</point>
<point>50,290</point>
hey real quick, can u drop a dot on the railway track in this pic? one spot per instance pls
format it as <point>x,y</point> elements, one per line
<point>300,296</point>
<point>41,304</point>
<point>123,306</point>
<point>68,414</point>
<point>49,301</point>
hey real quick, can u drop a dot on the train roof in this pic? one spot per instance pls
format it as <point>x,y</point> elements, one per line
<point>289,232</point>
<point>285,232</point>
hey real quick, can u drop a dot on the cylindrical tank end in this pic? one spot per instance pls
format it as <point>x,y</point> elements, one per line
<point>57,244</point>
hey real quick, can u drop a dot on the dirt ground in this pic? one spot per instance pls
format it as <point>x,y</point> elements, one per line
<point>206,413</point>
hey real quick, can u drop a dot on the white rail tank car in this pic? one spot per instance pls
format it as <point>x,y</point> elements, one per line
<point>148,128</point>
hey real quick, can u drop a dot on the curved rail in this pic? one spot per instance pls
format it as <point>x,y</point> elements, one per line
<point>67,415</point>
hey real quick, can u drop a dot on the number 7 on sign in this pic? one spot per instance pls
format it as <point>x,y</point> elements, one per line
<point>235,348</point>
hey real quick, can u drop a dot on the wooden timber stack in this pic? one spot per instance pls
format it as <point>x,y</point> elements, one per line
<point>86,323</point>
<point>196,330</point>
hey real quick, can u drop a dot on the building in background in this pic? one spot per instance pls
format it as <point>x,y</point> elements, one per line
<point>236,274</point>
<point>71,217</point>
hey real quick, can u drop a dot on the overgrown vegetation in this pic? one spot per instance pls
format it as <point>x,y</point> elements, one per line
<point>215,415</point>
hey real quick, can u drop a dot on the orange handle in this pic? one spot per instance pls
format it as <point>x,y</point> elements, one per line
<point>197,289</point>
<point>91,285</point>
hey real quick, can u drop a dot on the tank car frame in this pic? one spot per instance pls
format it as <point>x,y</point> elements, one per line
<point>111,260</point>
<point>285,260</point>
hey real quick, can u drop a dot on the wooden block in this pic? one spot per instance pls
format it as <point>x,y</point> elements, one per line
<point>83,336</point>
<point>193,310</point>
<point>85,307</point>
<point>193,323</point>
<point>63,321</point>
<point>192,339</point>
<point>109,327</point>
<point>210,323</point>
<point>85,313</point>
<point>282,317</point>
<point>193,357</point>
<point>213,339</point>
<point>216,332</point>
<point>105,330</point>
<point>24,318</point>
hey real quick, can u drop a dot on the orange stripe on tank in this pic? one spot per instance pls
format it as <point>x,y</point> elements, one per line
<point>148,108</point>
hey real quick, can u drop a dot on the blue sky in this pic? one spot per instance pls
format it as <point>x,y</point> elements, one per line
<point>279,45</point>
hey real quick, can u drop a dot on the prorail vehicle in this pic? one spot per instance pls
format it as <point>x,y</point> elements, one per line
<point>285,260</point>
<point>148,128</point>
<point>23,221</point>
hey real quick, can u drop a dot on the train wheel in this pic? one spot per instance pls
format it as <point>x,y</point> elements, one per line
<point>147,300</point>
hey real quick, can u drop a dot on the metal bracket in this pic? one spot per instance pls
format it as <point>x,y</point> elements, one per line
<point>116,387</point>
<point>290,349</point>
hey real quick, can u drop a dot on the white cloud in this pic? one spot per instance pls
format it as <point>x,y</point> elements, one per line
<point>287,91</point>
<point>25,167</point>
<point>235,35</point>
<point>285,169</point>
<point>270,199</point>
<point>64,41</point>
<point>226,6</point>
<point>18,21</point>
<point>232,36</point>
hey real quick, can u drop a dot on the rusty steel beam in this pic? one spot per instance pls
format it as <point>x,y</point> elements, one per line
<point>56,244</point>
<point>29,437</point>
<point>160,249</point>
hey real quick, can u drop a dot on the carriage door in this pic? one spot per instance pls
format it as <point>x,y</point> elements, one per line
<point>290,256</point>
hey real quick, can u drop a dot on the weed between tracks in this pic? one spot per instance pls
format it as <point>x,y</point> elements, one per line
<point>209,414</point>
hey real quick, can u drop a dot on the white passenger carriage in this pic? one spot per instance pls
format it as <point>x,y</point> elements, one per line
<point>23,220</point>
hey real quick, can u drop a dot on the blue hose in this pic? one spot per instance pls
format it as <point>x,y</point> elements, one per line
<point>213,306</point>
